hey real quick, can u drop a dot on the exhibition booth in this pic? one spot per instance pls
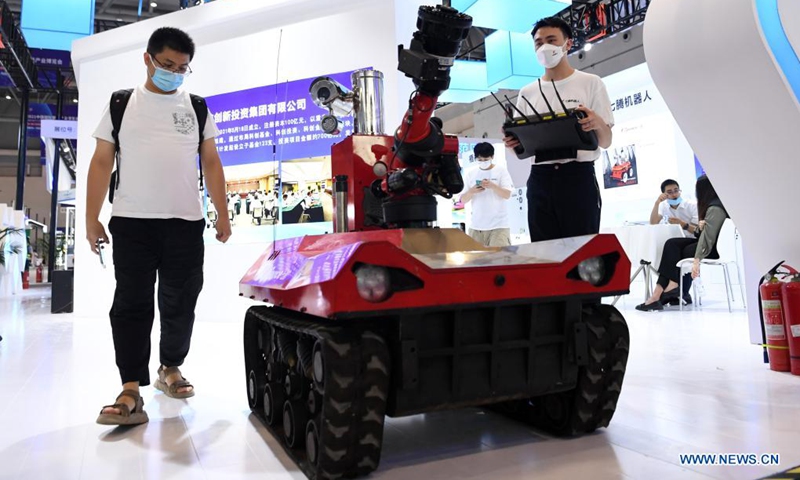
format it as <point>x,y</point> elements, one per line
<point>254,64</point>
<point>421,344</point>
<point>255,55</point>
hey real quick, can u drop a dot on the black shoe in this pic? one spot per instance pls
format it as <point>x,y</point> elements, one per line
<point>655,306</point>
<point>673,301</point>
<point>670,298</point>
<point>670,295</point>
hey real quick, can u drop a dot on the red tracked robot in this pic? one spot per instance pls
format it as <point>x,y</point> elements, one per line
<point>389,316</point>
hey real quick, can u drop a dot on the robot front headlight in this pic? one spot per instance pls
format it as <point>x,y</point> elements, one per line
<point>592,270</point>
<point>373,283</point>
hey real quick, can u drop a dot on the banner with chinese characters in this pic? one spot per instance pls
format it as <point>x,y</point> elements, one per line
<point>630,100</point>
<point>283,116</point>
<point>47,61</point>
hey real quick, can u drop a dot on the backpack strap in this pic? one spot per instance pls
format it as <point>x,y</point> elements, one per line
<point>201,111</point>
<point>119,101</point>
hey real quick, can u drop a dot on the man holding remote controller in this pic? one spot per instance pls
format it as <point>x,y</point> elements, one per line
<point>563,195</point>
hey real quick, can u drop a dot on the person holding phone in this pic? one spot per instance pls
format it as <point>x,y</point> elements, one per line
<point>155,238</point>
<point>490,186</point>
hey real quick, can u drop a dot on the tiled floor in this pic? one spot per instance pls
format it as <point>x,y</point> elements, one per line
<point>694,384</point>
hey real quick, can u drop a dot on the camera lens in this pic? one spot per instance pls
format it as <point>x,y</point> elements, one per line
<point>324,93</point>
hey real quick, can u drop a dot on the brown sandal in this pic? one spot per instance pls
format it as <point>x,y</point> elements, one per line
<point>172,390</point>
<point>137,416</point>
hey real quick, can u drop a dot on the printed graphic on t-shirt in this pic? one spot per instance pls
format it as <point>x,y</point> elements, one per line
<point>184,122</point>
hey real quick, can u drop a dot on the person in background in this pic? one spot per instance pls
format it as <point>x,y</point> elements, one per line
<point>712,215</point>
<point>563,195</point>
<point>269,203</point>
<point>257,208</point>
<point>308,201</point>
<point>326,199</point>
<point>676,210</point>
<point>233,205</point>
<point>489,187</point>
<point>154,238</point>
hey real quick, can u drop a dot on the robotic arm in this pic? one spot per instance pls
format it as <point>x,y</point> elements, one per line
<point>397,188</point>
<point>424,161</point>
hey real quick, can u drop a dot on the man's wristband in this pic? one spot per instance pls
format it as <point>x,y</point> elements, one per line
<point>686,226</point>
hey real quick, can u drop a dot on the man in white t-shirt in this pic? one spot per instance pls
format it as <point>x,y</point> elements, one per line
<point>672,207</point>
<point>489,187</point>
<point>563,195</point>
<point>157,221</point>
<point>677,211</point>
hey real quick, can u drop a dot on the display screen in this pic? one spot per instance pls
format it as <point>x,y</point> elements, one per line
<point>282,116</point>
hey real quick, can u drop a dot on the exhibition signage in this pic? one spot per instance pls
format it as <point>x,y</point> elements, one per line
<point>634,100</point>
<point>59,129</point>
<point>274,122</point>
<point>41,111</point>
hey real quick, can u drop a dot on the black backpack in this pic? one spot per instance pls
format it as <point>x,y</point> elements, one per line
<point>119,101</point>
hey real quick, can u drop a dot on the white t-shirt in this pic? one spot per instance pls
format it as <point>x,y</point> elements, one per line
<point>578,89</point>
<point>686,211</point>
<point>489,210</point>
<point>158,141</point>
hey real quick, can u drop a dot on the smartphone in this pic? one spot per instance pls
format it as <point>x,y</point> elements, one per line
<point>478,183</point>
<point>100,247</point>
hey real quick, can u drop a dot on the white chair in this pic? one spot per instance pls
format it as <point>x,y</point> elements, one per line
<point>727,257</point>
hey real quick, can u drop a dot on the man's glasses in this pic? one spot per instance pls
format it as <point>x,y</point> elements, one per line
<point>185,70</point>
<point>672,192</point>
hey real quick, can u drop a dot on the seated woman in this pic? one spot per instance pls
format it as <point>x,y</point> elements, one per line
<point>712,215</point>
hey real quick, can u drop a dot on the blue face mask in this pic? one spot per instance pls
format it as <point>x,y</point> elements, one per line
<point>675,202</point>
<point>167,81</point>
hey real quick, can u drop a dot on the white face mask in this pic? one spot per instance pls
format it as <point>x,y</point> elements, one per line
<point>550,55</point>
<point>485,164</point>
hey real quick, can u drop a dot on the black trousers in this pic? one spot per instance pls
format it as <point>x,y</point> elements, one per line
<point>173,250</point>
<point>675,250</point>
<point>563,201</point>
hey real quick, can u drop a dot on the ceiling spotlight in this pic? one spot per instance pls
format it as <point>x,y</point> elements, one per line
<point>74,100</point>
<point>587,47</point>
<point>119,19</point>
<point>8,97</point>
<point>153,4</point>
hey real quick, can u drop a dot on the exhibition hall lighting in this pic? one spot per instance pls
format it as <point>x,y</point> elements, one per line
<point>587,47</point>
<point>8,97</point>
<point>153,4</point>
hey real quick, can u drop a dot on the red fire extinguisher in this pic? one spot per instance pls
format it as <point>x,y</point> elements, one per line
<point>26,284</point>
<point>774,326</point>
<point>39,274</point>
<point>791,312</point>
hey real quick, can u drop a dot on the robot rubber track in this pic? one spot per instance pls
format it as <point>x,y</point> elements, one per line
<point>318,385</point>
